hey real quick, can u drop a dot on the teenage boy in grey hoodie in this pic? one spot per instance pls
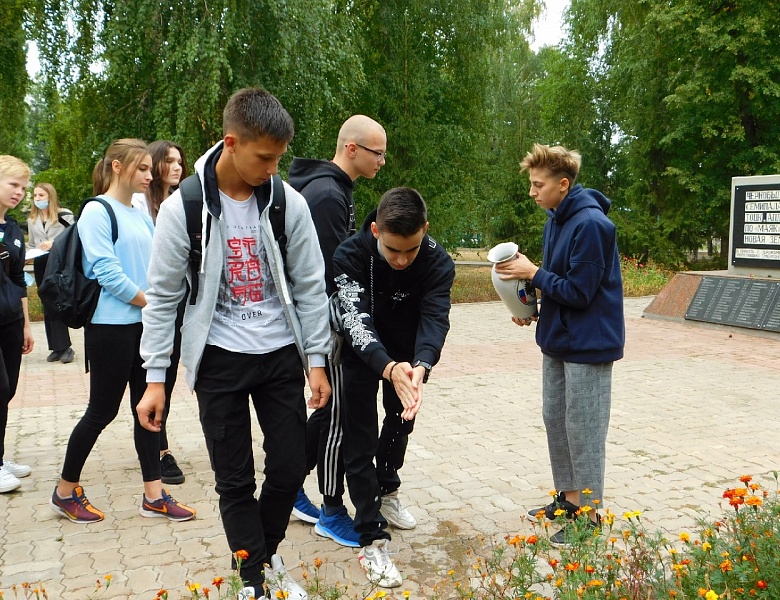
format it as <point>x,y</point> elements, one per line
<point>251,333</point>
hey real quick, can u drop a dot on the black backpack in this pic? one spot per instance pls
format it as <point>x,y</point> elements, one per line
<point>67,294</point>
<point>191,192</point>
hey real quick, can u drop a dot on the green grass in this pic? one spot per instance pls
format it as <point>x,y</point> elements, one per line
<point>473,283</point>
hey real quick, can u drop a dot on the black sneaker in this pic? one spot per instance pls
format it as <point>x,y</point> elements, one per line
<point>67,356</point>
<point>560,502</point>
<point>579,530</point>
<point>54,356</point>
<point>170,472</point>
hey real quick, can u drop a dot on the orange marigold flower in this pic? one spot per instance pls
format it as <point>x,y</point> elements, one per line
<point>242,554</point>
<point>515,541</point>
<point>531,539</point>
<point>317,563</point>
<point>162,593</point>
<point>217,582</point>
<point>572,566</point>
<point>595,583</point>
<point>702,591</point>
<point>725,566</point>
<point>754,487</point>
<point>589,569</point>
<point>554,562</point>
<point>754,501</point>
<point>761,584</point>
<point>672,594</point>
<point>745,479</point>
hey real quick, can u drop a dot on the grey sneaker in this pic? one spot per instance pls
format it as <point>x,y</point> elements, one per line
<point>280,583</point>
<point>395,513</point>
<point>376,562</point>
<point>67,356</point>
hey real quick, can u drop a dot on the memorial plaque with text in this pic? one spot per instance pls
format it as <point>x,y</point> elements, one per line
<point>756,226</point>
<point>736,301</point>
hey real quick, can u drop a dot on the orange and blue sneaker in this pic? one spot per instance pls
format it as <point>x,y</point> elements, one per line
<point>76,508</point>
<point>166,507</point>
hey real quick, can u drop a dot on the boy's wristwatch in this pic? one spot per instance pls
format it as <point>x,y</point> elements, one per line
<point>424,365</point>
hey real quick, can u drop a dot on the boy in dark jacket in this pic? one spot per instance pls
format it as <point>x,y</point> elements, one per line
<point>15,333</point>
<point>580,330</point>
<point>394,286</point>
<point>327,187</point>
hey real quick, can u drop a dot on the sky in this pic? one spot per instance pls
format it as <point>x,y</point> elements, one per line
<point>548,29</point>
<point>547,32</point>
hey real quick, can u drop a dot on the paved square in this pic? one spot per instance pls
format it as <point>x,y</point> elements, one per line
<point>694,407</point>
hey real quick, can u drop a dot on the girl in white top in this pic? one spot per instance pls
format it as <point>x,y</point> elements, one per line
<point>168,169</point>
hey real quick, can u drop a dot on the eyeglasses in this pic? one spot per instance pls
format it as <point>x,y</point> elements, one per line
<point>380,156</point>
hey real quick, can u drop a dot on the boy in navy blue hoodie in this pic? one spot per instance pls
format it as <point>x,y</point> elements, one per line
<point>394,286</point>
<point>580,330</point>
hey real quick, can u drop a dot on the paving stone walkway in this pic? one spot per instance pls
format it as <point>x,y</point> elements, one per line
<point>694,407</point>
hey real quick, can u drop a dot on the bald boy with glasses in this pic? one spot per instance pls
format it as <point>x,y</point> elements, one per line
<point>327,186</point>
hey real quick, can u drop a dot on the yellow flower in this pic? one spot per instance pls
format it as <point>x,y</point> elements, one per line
<point>407,593</point>
<point>711,595</point>
<point>706,546</point>
<point>559,512</point>
<point>194,587</point>
<point>632,514</point>
<point>685,537</point>
<point>451,572</point>
<point>586,509</point>
<point>553,493</point>
<point>587,491</point>
<point>282,594</point>
<point>381,594</point>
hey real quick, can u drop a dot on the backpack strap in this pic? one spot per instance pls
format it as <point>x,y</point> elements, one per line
<point>62,220</point>
<point>192,199</point>
<point>111,216</point>
<point>276,213</point>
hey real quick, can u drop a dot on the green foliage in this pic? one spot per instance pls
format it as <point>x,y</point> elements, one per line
<point>13,80</point>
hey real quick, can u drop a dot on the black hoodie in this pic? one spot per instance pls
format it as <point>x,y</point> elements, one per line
<point>389,314</point>
<point>328,191</point>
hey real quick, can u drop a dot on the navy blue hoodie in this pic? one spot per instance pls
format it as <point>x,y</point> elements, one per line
<point>388,314</point>
<point>581,317</point>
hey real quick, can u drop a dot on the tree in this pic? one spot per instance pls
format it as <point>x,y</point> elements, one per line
<point>13,80</point>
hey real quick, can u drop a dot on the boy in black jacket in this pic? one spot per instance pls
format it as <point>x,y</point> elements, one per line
<point>394,286</point>
<point>327,186</point>
<point>15,333</point>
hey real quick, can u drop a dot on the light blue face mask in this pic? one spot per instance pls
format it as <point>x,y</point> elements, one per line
<point>41,204</point>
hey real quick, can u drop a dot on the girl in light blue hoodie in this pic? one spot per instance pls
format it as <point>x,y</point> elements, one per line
<point>113,335</point>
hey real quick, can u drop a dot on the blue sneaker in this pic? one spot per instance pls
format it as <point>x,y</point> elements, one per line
<point>304,509</point>
<point>339,527</point>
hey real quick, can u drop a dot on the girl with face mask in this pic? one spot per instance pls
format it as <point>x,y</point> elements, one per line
<point>46,221</point>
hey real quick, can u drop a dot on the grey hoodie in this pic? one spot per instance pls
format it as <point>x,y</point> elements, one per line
<point>303,296</point>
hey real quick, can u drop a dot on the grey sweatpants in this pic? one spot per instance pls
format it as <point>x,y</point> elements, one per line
<point>576,401</point>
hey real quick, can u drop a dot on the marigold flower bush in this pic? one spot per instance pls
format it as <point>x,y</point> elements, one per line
<point>734,557</point>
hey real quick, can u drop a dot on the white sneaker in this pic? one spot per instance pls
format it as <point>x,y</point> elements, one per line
<point>376,562</point>
<point>8,481</point>
<point>248,593</point>
<point>15,469</point>
<point>278,580</point>
<point>395,513</point>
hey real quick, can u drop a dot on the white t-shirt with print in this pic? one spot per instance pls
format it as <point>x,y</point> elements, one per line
<point>248,317</point>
